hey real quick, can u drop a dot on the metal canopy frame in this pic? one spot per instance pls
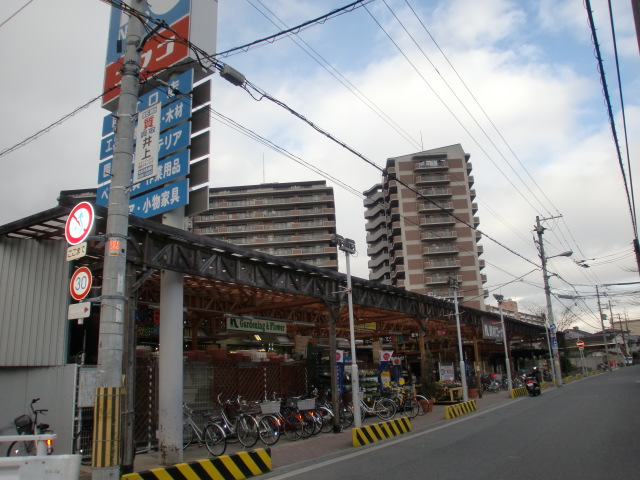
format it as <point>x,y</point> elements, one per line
<point>223,278</point>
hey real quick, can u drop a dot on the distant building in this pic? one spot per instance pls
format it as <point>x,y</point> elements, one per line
<point>510,309</point>
<point>420,226</point>
<point>291,220</point>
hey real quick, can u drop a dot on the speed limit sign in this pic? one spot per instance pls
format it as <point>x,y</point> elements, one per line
<point>80,283</point>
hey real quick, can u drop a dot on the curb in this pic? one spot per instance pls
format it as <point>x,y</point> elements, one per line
<point>454,411</point>
<point>380,431</point>
<point>237,466</point>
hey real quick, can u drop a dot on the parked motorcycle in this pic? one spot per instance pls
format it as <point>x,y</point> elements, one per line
<point>533,387</point>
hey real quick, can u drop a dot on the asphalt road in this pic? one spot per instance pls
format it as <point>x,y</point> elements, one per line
<point>588,429</point>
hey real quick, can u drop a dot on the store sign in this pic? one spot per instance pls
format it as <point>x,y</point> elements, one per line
<point>491,329</point>
<point>255,325</point>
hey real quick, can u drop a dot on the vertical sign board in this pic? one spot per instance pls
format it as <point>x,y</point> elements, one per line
<point>145,158</point>
<point>194,20</point>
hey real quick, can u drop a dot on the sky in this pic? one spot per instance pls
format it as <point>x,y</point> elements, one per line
<point>515,83</point>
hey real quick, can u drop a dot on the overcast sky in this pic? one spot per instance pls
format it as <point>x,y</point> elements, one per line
<point>514,82</point>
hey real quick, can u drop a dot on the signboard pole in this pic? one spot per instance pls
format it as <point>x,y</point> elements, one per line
<point>113,302</point>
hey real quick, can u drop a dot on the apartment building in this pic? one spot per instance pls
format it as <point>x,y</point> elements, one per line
<point>420,226</point>
<point>291,220</point>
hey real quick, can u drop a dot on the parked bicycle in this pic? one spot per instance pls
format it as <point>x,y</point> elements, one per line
<point>240,427</point>
<point>212,435</point>
<point>28,425</point>
<point>383,407</point>
<point>406,405</point>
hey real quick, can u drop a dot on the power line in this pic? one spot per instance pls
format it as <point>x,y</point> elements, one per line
<point>16,13</point>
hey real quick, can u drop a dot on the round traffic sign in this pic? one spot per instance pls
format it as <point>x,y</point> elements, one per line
<point>580,344</point>
<point>80,283</point>
<point>79,223</point>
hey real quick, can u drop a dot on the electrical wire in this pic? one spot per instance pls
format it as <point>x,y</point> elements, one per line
<point>16,13</point>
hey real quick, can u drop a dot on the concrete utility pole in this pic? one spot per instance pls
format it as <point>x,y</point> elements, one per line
<point>453,283</point>
<point>348,246</point>
<point>113,299</point>
<point>555,360</point>
<point>507,362</point>
<point>604,334</point>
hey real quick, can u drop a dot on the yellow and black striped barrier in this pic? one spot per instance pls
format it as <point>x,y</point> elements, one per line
<point>106,427</point>
<point>380,431</point>
<point>453,411</point>
<point>226,467</point>
<point>518,392</point>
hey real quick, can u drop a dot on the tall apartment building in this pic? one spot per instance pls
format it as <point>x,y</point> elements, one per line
<point>291,220</point>
<point>418,226</point>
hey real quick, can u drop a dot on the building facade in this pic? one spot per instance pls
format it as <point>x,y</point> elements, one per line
<point>421,226</point>
<point>291,220</point>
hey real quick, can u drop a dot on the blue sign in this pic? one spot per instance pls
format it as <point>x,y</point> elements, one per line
<point>182,83</point>
<point>175,139</point>
<point>172,113</point>
<point>161,200</point>
<point>171,168</point>
<point>554,342</point>
<point>107,145</point>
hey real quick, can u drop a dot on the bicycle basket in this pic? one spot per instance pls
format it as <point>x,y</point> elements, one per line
<point>24,424</point>
<point>307,404</point>
<point>270,406</point>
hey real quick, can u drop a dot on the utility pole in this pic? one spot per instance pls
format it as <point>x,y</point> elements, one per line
<point>348,246</point>
<point>555,360</point>
<point>507,363</point>
<point>453,283</point>
<point>604,334</point>
<point>113,300</point>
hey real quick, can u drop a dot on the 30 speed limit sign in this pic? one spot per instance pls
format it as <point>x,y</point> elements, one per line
<point>80,283</point>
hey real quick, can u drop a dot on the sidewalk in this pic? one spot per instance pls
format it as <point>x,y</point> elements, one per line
<point>285,453</point>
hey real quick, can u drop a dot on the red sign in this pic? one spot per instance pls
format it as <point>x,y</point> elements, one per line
<point>80,283</point>
<point>580,344</point>
<point>79,223</point>
<point>160,52</point>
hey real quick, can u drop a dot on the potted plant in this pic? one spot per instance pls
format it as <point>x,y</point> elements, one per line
<point>472,386</point>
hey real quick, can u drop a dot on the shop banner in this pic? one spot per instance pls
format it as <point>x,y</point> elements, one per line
<point>447,373</point>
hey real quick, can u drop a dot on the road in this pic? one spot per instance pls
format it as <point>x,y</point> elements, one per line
<point>588,429</point>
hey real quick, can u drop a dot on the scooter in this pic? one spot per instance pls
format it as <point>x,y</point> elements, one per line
<point>533,387</point>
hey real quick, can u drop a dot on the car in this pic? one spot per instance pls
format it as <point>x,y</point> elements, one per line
<point>628,360</point>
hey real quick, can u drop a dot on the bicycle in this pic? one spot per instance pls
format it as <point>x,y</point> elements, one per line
<point>243,428</point>
<point>27,425</point>
<point>288,423</point>
<point>383,407</point>
<point>211,435</point>
<point>407,405</point>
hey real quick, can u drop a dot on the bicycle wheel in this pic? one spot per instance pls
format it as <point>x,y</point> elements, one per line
<point>308,423</point>
<point>420,399</point>
<point>411,408</point>
<point>317,421</point>
<point>214,439</point>
<point>21,449</point>
<point>269,430</point>
<point>346,417</point>
<point>327,419</point>
<point>385,409</point>
<point>247,430</point>
<point>82,444</point>
<point>292,426</point>
<point>187,435</point>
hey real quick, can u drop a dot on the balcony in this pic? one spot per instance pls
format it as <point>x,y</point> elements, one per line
<point>431,165</point>
<point>474,208</point>
<point>480,249</point>
<point>431,235</point>
<point>375,223</point>
<point>472,194</point>
<point>441,264</point>
<point>442,279</point>
<point>471,181</point>
<point>432,179</point>
<point>435,220</point>
<point>440,249</point>
<point>481,264</point>
<point>435,207</point>
<point>435,192</point>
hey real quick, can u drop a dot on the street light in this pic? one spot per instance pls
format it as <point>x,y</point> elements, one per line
<point>453,283</point>
<point>555,360</point>
<point>348,246</point>
<point>507,364</point>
